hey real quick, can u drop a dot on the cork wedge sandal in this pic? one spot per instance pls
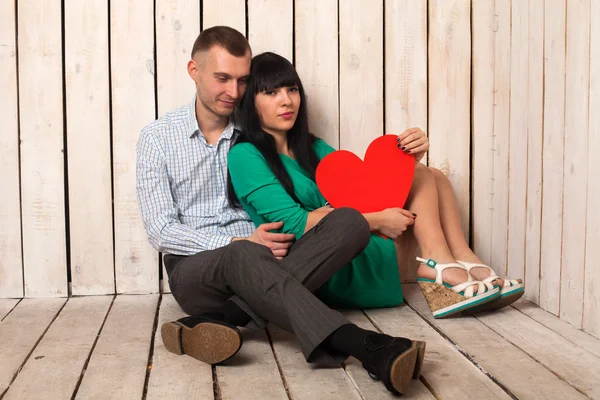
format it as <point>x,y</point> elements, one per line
<point>509,293</point>
<point>445,300</point>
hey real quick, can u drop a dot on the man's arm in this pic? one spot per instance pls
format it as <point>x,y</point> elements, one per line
<point>159,211</point>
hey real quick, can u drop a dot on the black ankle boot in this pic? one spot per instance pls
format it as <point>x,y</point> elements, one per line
<point>207,338</point>
<point>394,361</point>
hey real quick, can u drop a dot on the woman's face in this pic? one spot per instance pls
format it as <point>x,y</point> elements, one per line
<point>278,109</point>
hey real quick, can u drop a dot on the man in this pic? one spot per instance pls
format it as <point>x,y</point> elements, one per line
<point>223,271</point>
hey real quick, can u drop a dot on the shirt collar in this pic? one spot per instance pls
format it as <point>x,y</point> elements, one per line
<point>193,128</point>
<point>192,122</point>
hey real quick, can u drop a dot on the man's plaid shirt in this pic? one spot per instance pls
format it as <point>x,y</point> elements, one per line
<point>182,186</point>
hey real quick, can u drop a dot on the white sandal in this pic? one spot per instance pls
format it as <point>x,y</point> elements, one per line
<point>510,292</point>
<point>445,300</point>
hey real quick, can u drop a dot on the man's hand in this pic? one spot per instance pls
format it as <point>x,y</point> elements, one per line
<point>414,141</point>
<point>279,243</point>
<point>394,221</point>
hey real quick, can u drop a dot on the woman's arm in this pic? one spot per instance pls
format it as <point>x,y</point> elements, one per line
<point>255,183</point>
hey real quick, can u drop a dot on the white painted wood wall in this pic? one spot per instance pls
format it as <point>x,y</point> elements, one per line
<point>508,92</point>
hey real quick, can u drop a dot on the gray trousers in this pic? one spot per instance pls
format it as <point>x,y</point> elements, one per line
<point>275,291</point>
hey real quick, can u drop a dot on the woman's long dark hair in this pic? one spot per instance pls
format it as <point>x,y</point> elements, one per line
<point>270,71</point>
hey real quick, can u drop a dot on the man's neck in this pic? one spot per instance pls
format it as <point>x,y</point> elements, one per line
<point>210,124</point>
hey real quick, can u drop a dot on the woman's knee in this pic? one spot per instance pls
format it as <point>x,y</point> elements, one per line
<point>423,175</point>
<point>423,170</point>
<point>437,174</point>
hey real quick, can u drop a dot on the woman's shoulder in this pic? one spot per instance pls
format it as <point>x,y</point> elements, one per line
<point>242,149</point>
<point>321,148</point>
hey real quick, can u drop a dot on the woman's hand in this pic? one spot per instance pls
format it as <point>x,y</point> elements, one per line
<point>391,222</point>
<point>414,141</point>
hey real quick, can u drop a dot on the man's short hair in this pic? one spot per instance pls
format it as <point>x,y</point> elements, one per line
<point>228,38</point>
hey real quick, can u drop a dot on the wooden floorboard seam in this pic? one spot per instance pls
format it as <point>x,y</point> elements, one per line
<point>562,378</point>
<point>32,349</point>
<point>279,367</point>
<point>429,387</point>
<point>11,310</point>
<point>151,350</point>
<point>353,382</point>
<point>465,354</point>
<point>216,389</point>
<point>557,332</point>
<point>89,356</point>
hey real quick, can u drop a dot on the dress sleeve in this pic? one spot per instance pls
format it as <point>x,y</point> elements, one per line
<point>255,184</point>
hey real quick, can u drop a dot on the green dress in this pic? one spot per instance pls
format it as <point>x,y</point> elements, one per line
<point>371,280</point>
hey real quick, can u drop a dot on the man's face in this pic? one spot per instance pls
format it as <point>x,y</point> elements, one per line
<point>220,79</point>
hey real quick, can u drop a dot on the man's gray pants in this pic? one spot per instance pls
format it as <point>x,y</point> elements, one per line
<point>271,290</point>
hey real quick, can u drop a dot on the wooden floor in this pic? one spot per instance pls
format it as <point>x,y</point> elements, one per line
<point>109,348</point>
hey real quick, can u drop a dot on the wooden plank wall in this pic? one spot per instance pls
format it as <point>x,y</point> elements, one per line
<point>506,89</point>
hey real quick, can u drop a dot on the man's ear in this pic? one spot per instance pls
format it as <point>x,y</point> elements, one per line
<point>193,70</point>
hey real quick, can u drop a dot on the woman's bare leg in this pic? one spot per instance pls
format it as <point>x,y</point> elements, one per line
<point>423,201</point>
<point>450,222</point>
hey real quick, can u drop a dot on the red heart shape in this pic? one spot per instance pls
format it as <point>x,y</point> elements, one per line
<point>382,181</point>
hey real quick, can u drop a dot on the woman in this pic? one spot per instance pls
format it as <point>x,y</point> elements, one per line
<point>272,169</point>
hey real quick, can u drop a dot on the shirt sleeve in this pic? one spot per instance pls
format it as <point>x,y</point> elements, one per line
<point>257,186</point>
<point>159,211</point>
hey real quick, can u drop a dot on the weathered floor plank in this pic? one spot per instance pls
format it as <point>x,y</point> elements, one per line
<point>369,388</point>
<point>20,332</point>
<point>566,330</point>
<point>525,350</point>
<point>173,376</point>
<point>117,367</point>
<point>5,306</point>
<point>309,381</point>
<point>572,363</point>
<point>252,373</point>
<point>450,374</point>
<point>56,363</point>
<point>513,368</point>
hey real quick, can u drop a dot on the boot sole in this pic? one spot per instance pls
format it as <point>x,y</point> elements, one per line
<point>209,342</point>
<point>403,369</point>
<point>420,346</point>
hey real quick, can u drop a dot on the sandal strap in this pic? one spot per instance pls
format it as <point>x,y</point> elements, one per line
<point>439,268</point>
<point>470,265</point>
<point>487,281</point>
<point>511,282</point>
<point>467,288</point>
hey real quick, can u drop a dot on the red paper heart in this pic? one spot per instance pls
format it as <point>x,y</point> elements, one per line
<point>382,181</point>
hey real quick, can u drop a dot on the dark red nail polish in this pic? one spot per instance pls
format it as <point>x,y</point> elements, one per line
<point>403,148</point>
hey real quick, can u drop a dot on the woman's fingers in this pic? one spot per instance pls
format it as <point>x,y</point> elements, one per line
<point>421,149</point>
<point>407,213</point>
<point>412,146</point>
<point>410,138</point>
<point>410,135</point>
<point>407,132</point>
